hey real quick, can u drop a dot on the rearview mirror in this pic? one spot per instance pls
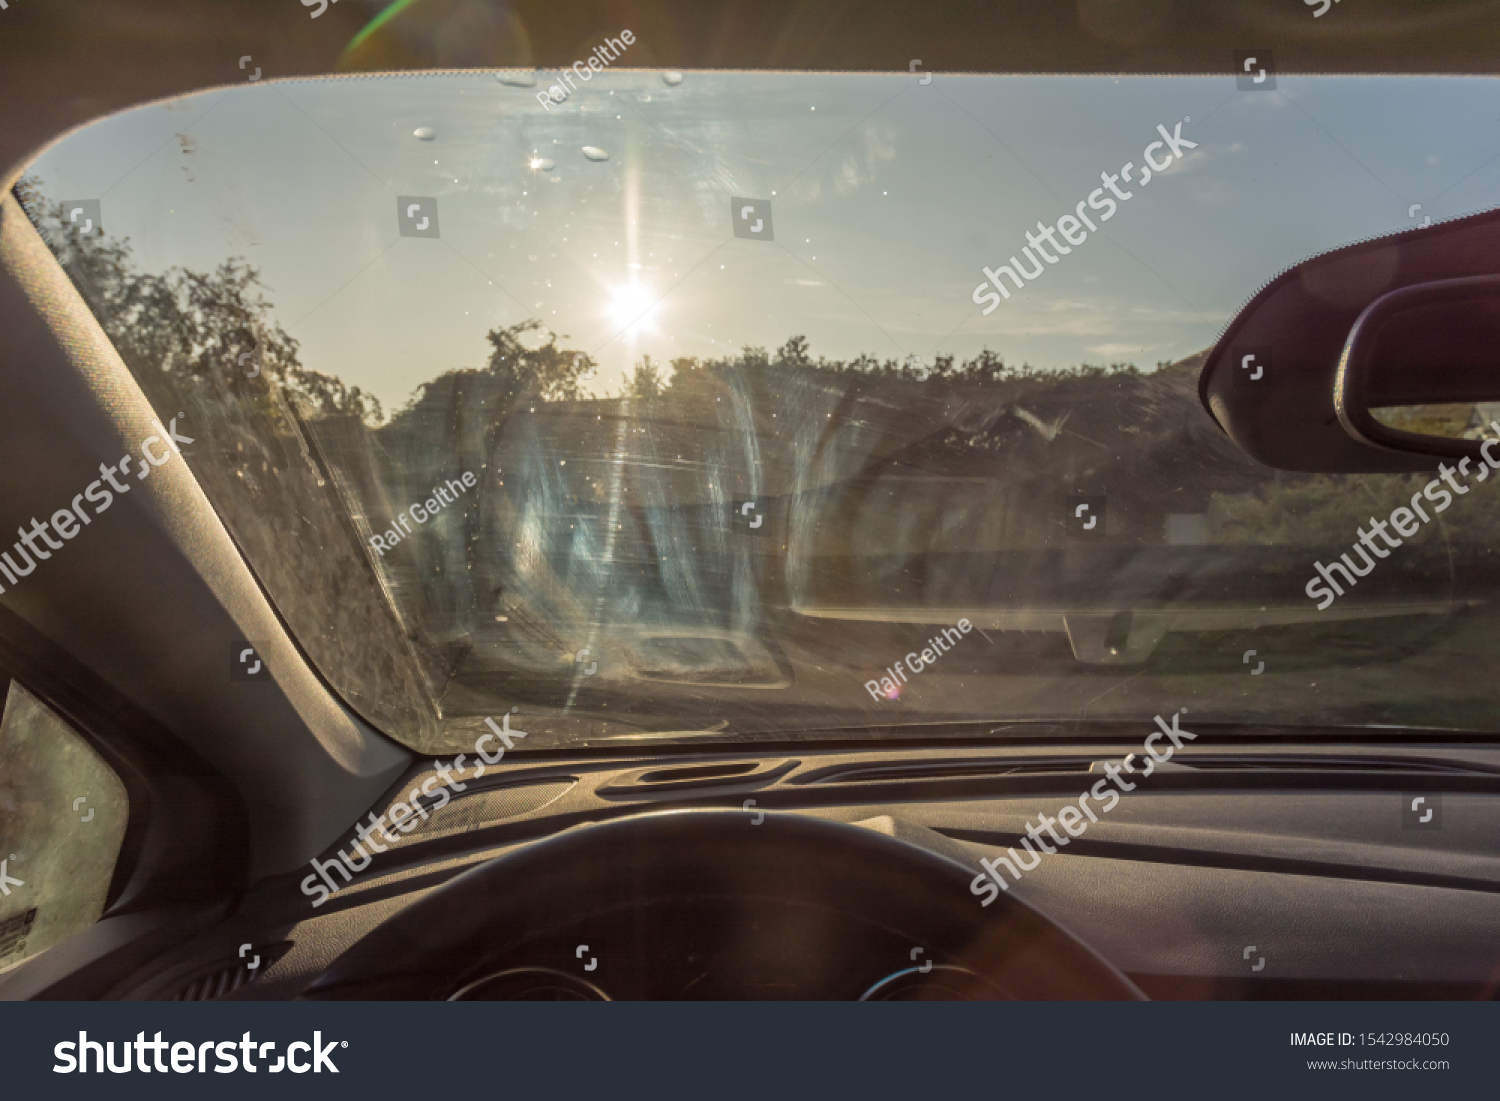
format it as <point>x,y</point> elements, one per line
<point>1368,359</point>
<point>1420,371</point>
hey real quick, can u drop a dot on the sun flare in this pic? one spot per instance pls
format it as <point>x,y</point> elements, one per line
<point>631,305</point>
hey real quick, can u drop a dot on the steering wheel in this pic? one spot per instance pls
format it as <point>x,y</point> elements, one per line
<point>716,891</point>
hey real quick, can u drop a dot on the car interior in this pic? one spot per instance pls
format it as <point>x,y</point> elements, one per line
<point>665,527</point>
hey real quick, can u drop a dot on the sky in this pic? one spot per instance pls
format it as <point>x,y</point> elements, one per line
<point>888,197</point>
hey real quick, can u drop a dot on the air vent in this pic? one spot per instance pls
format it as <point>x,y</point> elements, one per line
<point>224,978</point>
<point>947,770</point>
<point>698,772</point>
<point>959,769</point>
<point>206,988</point>
<point>685,779</point>
<point>1328,764</point>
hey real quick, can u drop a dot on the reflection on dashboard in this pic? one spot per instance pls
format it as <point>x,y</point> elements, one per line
<point>941,982</point>
<point>530,984</point>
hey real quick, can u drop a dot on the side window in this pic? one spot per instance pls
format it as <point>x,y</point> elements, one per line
<point>62,820</point>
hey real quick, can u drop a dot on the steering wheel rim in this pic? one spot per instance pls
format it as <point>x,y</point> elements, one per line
<point>664,855</point>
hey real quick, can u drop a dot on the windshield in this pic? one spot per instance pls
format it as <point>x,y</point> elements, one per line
<point>727,405</point>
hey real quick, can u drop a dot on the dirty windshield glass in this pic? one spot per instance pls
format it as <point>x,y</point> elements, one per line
<point>723,405</point>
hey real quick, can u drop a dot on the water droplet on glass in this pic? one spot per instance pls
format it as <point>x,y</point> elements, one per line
<point>424,133</point>
<point>672,79</point>
<point>517,79</point>
<point>594,153</point>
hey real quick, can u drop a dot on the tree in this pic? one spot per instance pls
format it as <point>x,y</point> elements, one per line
<point>645,384</point>
<point>546,372</point>
<point>193,328</point>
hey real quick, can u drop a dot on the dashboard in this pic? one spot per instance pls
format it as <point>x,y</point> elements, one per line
<point>1252,870</point>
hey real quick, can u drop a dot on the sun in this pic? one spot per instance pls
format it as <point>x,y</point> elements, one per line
<point>631,305</point>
